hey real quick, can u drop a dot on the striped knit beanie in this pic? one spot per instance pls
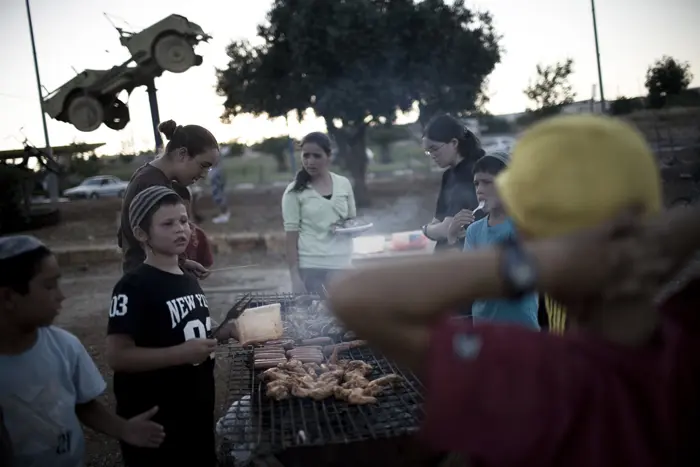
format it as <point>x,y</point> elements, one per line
<point>144,202</point>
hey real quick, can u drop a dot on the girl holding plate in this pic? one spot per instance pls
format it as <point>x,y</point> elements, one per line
<point>313,206</point>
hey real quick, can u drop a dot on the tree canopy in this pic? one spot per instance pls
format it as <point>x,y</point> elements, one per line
<point>359,63</point>
<point>550,91</point>
<point>666,77</point>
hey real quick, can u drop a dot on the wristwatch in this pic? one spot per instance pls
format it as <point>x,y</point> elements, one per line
<point>517,268</point>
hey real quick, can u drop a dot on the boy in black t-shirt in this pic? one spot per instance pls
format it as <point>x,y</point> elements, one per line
<point>159,343</point>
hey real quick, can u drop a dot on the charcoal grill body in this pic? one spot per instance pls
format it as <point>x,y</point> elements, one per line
<point>305,432</point>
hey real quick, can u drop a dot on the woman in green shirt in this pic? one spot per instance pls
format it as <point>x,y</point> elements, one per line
<point>317,199</point>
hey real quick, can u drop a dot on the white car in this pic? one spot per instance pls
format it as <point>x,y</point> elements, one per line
<point>101,186</point>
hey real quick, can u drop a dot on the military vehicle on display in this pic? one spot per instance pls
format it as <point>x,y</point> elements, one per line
<point>91,98</point>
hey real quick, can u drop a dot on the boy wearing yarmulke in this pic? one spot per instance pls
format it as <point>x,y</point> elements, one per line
<point>497,227</point>
<point>49,385</point>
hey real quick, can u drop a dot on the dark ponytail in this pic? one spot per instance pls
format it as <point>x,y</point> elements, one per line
<point>445,128</point>
<point>194,138</point>
<point>303,178</point>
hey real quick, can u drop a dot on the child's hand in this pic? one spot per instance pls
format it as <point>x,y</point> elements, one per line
<point>141,431</point>
<point>229,331</point>
<point>459,222</point>
<point>195,351</point>
<point>199,271</point>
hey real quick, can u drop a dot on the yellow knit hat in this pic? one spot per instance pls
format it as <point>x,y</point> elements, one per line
<point>572,172</point>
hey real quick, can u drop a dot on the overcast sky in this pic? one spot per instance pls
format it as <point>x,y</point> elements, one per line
<point>74,34</point>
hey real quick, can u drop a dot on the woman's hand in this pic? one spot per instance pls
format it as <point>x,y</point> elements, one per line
<point>199,271</point>
<point>459,222</point>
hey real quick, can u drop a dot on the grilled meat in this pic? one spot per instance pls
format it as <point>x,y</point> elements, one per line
<point>345,380</point>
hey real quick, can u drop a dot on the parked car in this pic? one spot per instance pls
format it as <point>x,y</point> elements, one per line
<point>101,186</point>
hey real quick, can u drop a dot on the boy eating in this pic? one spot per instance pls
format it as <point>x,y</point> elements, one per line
<point>497,227</point>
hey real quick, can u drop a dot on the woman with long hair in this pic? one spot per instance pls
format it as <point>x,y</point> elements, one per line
<point>191,151</point>
<point>454,148</point>
<point>311,205</point>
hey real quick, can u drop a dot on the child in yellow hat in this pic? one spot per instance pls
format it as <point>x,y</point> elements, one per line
<point>574,172</point>
<point>620,390</point>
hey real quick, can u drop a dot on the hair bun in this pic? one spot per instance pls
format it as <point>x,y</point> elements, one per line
<point>168,128</point>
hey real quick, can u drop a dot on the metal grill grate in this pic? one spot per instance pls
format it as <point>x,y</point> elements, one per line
<point>256,425</point>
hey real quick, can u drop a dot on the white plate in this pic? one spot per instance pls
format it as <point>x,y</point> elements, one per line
<point>354,229</point>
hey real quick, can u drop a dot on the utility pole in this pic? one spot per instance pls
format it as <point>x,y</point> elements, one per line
<point>51,178</point>
<point>603,106</point>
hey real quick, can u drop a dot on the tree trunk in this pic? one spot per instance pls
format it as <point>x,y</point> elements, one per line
<point>352,155</point>
<point>357,166</point>
<point>281,160</point>
<point>385,154</point>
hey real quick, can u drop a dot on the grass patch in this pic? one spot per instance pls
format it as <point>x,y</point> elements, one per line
<point>263,168</point>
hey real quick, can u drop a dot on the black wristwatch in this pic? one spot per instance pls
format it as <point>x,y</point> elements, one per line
<point>518,269</point>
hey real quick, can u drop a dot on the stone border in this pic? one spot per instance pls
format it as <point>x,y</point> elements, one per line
<point>270,242</point>
<point>86,255</point>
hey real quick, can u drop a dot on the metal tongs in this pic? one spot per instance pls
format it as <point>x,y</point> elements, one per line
<point>234,313</point>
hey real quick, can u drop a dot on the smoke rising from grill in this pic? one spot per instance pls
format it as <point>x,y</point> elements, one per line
<point>406,213</point>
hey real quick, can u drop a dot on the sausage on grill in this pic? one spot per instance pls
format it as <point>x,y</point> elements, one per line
<point>317,341</point>
<point>269,355</point>
<point>282,343</point>
<point>299,353</point>
<point>329,349</point>
<point>264,364</point>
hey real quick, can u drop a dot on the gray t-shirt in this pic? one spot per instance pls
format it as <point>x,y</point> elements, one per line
<point>39,390</point>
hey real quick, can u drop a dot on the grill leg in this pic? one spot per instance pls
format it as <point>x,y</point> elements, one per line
<point>270,461</point>
<point>453,460</point>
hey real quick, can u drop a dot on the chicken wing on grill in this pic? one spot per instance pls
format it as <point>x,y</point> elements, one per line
<point>346,380</point>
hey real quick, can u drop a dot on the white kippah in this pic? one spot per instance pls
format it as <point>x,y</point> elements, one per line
<point>15,245</point>
<point>500,155</point>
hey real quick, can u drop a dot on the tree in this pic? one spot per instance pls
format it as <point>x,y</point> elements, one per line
<point>492,124</point>
<point>625,105</point>
<point>551,88</point>
<point>277,147</point>
<point>357,64</point>
<point>383,136</point>
<point>666,77</point>
<point>452,50</point>
<point>235,148</point>
<point>550,91</point>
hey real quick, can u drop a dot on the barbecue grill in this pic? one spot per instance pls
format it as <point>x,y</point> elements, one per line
<point>257,426</point>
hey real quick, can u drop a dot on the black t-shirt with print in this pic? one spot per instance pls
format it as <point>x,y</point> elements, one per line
<point>456,193</point>
<point>159,309</point>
